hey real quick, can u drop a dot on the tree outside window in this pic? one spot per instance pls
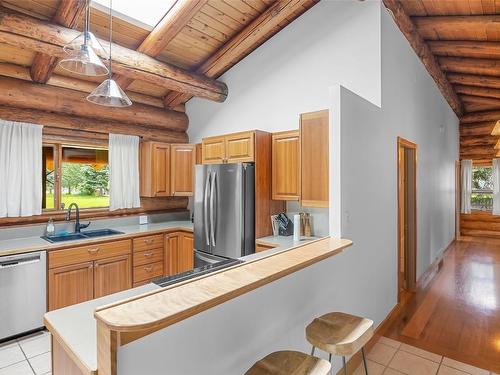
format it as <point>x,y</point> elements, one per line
<point>482,188</point>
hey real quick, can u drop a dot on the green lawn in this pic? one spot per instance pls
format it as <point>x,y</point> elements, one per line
<point>83,201</point>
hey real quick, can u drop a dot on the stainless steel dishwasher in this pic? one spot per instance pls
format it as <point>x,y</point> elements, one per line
<point>23,293</point>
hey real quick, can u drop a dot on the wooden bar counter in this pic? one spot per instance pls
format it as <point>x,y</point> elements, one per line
<point>130,319</point>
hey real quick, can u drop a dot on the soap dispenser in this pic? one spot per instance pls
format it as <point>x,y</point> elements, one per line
<point>50,229</point>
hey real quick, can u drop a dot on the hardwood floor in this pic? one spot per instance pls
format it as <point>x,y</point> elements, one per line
<point>457,314</point>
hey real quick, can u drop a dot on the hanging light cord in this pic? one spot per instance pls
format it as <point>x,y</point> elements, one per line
<point>86,27</point>
<point>110,35</point>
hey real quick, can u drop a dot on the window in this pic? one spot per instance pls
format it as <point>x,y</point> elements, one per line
<point>78,174</point>
<point>482,188</point>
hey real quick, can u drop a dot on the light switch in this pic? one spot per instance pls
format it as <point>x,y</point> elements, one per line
<point>143,219</point>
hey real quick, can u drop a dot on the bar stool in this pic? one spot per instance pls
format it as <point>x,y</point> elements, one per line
<point>290,363</point>
<point>340,334</point>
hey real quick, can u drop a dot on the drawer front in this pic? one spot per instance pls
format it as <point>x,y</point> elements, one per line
<point>88,253</point>
<point>148,256</point>
<point>148,242</point>
<point>148,271</point>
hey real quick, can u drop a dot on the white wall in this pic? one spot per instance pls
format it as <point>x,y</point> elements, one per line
<point>334,42</point>
<point>362,280</point>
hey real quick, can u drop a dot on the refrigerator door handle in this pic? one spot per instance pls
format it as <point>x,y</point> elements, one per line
<point>205,208</point>
<point>212,208</point>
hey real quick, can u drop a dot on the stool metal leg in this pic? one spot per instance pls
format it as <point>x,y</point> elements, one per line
<point>312,350</point>
<point>344,365</point>
<point>364,360</point>
<point>331,362</point>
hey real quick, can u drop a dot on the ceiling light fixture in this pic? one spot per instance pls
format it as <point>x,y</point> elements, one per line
<point>82,57</point>
<point>109,93</point>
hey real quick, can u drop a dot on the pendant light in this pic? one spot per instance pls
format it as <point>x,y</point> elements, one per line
<point>82,57</point>
<point>109,93</point>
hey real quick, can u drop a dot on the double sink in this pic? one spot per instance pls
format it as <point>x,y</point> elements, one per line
<point>81,235</point>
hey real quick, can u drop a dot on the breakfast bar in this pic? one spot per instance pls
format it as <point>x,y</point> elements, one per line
<point>129,320</point>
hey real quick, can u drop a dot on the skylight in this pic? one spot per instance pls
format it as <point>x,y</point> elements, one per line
<point>145,13</point>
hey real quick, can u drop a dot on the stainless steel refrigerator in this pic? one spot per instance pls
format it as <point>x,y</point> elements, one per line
<point>224,210</point>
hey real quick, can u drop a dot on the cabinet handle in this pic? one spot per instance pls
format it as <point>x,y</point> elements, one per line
<point>148,269</point>
<point>93,250</point>
<point>148,241</point>
<point>148,254</point>
<point>91,266</point>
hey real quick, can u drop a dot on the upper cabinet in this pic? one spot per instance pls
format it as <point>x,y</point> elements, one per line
<point>182,159</point>
<point>231,148</point>
<point>314,159</point>
<point>166,169</point>
<point>286,165</point>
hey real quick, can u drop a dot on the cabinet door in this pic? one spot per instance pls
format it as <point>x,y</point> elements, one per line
<point>213,150</point>
<point>314,155</point>
<point>161,169</point>
<point>171,253</point>
<point>182,161</point>
<point>112,275</point>
<point>70,284</point>
<point>185,258</point>
<point>240,147</point>
<point>286,165</point>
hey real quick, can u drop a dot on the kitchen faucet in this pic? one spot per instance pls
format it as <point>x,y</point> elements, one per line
<point>78,226</point>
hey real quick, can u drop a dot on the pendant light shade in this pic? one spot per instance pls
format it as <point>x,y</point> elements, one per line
<point>109,94</point>
<point>84,61</point>
<point>85,38</point>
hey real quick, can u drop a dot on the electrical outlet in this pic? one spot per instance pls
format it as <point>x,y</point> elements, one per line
<point>143,219</point>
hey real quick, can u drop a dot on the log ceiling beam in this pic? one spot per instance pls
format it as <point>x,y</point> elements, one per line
<point>167,29</point>
<point>45,37</point>
<point>423,51</point>
<point>478,50</point>
<point>68,14</point>
<point>474,80</point>
<point>458,27</point>
<point>470,66</point>
<point>252,36</point>
<point>483,117</point>
<point>21,94</point>
<point>477,91</point>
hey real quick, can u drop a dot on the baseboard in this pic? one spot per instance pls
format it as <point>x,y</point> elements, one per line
<point>355,360</point>
<point>424,280</point>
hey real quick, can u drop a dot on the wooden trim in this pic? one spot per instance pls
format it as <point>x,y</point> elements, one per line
<point>423,51</point>
<point>107,347</point>
<point>401,145</point>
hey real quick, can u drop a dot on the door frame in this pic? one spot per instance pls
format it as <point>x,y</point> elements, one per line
<point>401,145</point>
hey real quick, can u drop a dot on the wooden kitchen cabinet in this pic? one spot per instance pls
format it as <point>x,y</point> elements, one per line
<point>314,159</point>
<point>286,165</point>
<point>70,284</point>
<point>85,272</point>
<point>182,159</point>
<point>112,275</point>
<point>154,169</point>
<point>230,148</point>
<point>179,253</point>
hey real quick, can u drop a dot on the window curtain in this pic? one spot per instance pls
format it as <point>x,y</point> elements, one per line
<point>20,169</point>
<point>466,186</point>
<point>496,187</point>
<point>123,171</point>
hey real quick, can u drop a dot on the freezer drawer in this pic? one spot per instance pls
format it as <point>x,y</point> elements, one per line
<point>23,293</point>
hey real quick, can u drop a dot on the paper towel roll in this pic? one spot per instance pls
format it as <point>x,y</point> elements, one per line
<point>296,227</point>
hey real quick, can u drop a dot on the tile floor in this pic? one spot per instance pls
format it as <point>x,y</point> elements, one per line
<point>26,356</point>
<point>390,357</point>
<point>31,356</point>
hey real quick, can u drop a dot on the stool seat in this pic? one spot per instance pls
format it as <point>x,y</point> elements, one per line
<point>290,363</point>
<point>339,333</point>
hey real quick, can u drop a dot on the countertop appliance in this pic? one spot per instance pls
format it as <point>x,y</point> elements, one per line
<point>22,293</point>
<point>224,210</point>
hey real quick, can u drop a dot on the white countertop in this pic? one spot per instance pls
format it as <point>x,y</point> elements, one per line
<point>76,324</point>
<point>35,243</point>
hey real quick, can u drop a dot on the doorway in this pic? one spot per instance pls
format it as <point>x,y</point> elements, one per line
<point>407,217</point>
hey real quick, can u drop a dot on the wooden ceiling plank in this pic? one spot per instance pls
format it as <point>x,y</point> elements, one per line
<point>474,80</point>
<point>44,37</point>
<point>167,29</point>
<point>485,117</point>
<point>477,91</point>
<point>480,28</point>
<point>205,29</point>
<point>423,51</point>
<point>68,14</point>
<point>470,66</point>
<point>215,24</point>
<point>486,50</point>
<point>249,38</point>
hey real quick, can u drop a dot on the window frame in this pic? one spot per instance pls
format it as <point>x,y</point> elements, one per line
<point>481,191</point>
<point>58,147</point>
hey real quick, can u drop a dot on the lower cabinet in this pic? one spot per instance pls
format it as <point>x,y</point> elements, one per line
<point>101,274</point>
<point>179,253</point>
